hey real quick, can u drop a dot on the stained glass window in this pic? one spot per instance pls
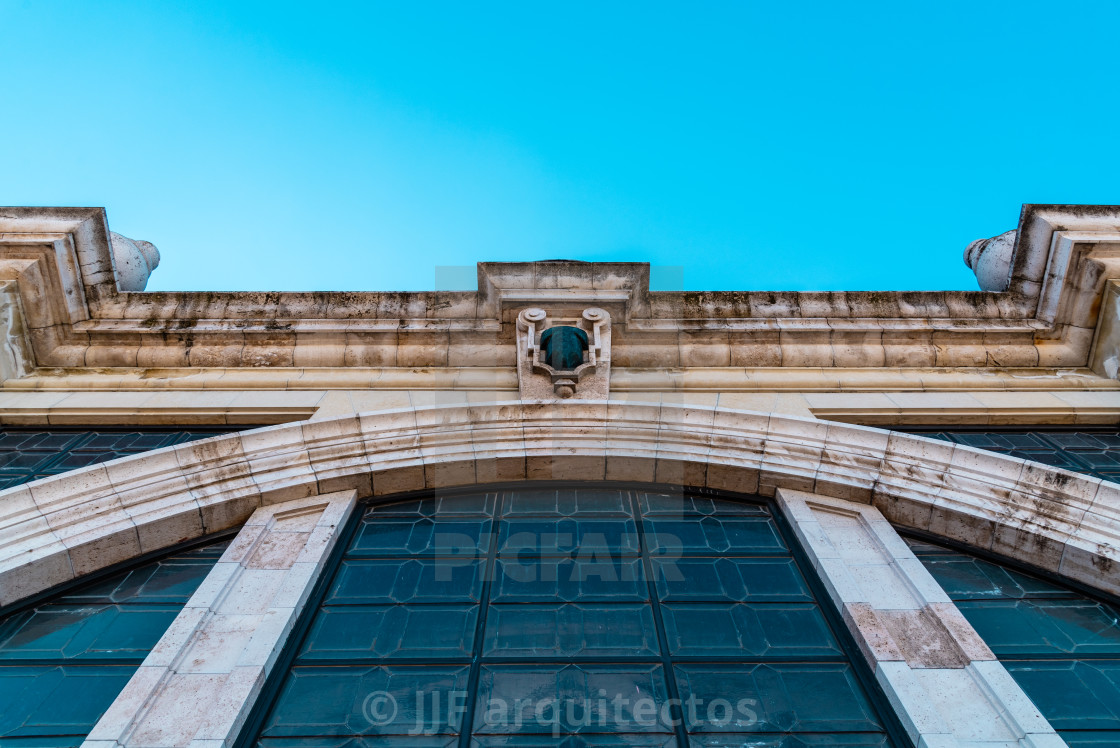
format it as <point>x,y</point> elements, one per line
<point>62,662</point>
<point>570,617</point>
<point>1061,646</point>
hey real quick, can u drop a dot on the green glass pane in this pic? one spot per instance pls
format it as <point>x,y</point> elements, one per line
<point>567,502</point>
<point>28,454</point>
<point>732,536</point>
<point>468,505</point>
<point>169,580</point>
<point>748,631</point>
<point>1045,627</point>
<point>395,631</point>
<point>585,630</point>
<point>381,741</point>
<point>67,632</point>
<point>1095,453</point>
<point>413,580</point>
<point>921,547</point>
<point>730,580</point>
<point>550,699</point>
<point>774,698</point>
<point>369,701</point>
<point>1060,646</point>
<point>1073,695</point>
<point>828,740</point>
<point>58,699</point>
<point>54,741</point>
<point>576,537</point>
<point>686,505</point>
<point>396,536</point>
<point>599,578</point>
<point>1090,739</point>
<point>967,578</point>
<point>603,740</point>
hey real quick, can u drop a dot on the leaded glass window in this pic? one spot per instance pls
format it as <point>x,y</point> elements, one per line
<point>28,454</point>
<point>1094,452</point>
<point>63,661</point>
<point>570,617</point>
<point>1061,646</point>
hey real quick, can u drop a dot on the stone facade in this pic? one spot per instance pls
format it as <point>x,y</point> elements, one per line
<point>787,395</point>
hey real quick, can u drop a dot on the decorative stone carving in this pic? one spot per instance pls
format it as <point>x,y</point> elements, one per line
<point>134,260</point>
<point>539,377</point>
<point>990,259</point>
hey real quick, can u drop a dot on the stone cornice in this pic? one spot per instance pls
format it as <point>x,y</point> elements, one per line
<point>75,316</point>
<point>499,379</point>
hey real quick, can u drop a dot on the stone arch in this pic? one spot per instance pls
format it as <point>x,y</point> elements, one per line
<point>76,523</point>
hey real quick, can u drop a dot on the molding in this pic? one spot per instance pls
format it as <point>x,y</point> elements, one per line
<point>160,406</point>
<point>77,317</point>
<point>465,378</point>
<point>126,416</point>
<point>147,408</point>
<point>495,379</point>
<point>59,528</point>
<point>970,408</point>
<point>200,681</point>
<point>854,380</point>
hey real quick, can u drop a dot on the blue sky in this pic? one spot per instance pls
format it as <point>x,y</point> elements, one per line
<point>359,146</point>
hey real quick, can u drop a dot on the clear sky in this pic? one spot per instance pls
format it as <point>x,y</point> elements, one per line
<point>360,145</point>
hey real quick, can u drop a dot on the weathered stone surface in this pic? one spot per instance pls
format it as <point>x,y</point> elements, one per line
<point>983,499</point>
<point>80,312</point>
<point>944,683</point>
<point>990,260</point>
<point>133,260</point>
<point>201,679</point>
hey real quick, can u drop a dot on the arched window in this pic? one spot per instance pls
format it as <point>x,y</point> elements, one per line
<point>570,617</point>
<point>1061,646</point>
<point>64,660</point>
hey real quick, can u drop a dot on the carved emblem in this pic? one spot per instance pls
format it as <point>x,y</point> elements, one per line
<point>565,357</point>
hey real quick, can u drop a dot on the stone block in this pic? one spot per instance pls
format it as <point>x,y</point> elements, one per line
<point>51,566</point>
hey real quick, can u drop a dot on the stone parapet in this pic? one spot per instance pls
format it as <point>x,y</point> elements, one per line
<point>77,316</point>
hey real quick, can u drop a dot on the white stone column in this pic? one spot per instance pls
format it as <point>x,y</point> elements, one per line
<point>197,686</point>
<point>944,683</point>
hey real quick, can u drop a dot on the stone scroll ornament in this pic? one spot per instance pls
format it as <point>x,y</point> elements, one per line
<point>556,359</point>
